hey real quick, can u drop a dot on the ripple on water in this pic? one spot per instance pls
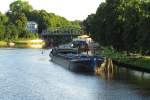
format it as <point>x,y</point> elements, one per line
<point>26,74</point>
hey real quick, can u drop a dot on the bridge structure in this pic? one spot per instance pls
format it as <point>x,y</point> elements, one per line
<point>60,35</point>
<point>62,31</point>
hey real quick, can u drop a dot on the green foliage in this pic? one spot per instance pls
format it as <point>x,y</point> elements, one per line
<point>20,6</point>
<point>123,57</point>
<point>49,20</point>
<point>123,24</point>
<point>11,32</point>
<point>3,21</point>
<point>28,35</point>
<point>13,23</point>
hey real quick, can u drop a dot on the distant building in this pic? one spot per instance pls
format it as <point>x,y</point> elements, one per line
<point>32,26</point>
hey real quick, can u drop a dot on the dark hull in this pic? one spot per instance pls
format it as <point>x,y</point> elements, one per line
<point>76,66</point>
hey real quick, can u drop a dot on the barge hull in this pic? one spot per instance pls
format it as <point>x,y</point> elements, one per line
<point>82,66</point>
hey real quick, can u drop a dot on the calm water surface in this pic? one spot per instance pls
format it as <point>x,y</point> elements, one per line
<point>26,74</point>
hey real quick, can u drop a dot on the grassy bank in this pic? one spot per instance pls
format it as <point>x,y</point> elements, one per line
<point>38,43</point>
<point>3,44</point>
<point>133,59</point>
<point>23,43</point>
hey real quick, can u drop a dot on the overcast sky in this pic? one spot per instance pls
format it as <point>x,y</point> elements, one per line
<point>70,9</point>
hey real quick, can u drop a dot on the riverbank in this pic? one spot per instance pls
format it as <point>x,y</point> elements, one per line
<point>135,60</point>
<point>3,44</point>
<point>37,43</point>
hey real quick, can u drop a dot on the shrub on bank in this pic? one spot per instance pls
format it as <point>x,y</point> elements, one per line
<point>128,58</point>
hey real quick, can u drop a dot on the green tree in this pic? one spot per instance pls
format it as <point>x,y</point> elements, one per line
<point>20,6</point>
<point>3,21</point>
<point>21,11</point>
<point>123,24</point>
<point>143,35</point>
<point>11,32</point>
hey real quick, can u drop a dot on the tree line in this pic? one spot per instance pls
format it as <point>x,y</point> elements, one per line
<point>13,22</point>
<point>122,24</point>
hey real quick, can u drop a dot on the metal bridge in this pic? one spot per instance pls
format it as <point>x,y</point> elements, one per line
<point>65,31</point>
<point>60,35</point>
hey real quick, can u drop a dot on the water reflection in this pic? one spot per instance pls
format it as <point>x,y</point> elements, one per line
<point>139,81</point>
<point>27,74</point>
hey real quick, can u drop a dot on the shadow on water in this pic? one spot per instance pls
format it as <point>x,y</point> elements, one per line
<point>139,81</point>
<point>83,73</point>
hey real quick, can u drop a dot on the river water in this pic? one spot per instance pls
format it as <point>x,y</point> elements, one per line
<point>27,74</point>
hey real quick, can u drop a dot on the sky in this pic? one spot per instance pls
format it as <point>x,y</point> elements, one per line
<point>70,9</point>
